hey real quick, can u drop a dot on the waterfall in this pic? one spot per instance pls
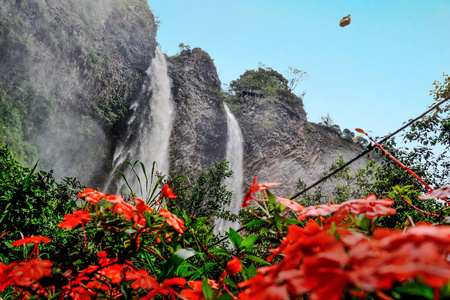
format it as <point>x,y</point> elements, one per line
<point>235,157</point>
<point>148,130</point>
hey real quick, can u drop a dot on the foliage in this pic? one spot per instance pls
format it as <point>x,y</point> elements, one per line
<point>431,136</point>
<point>267,80</point>
<point>31,203</point>
<point>14,125</point>
<point>346,134</point>
<point>207,196</point>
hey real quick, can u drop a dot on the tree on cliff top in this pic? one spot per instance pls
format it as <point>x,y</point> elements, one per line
<point>267,80</point>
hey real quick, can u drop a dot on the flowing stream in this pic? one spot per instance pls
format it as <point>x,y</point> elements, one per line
<point>235,157</point>
<point>148,131</point>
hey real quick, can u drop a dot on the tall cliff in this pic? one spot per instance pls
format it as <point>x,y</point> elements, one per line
<point>68,72</point>
<point>199,132</point>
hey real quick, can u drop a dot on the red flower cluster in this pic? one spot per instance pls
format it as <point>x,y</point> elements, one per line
<point>167,192</point>
<point>318,262</point>
<point>25,274</point>
<point>92,195</point>
<point>109,274</point>
<point>32,239</point>
<point>173,220</point>
<point>442,193</point>
<point>78,217</point>
<point>370,206</point>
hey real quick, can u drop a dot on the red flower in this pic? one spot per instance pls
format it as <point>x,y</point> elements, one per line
<point>29,272</point>
<point>173,220</point>
<point>318,211</point>
<point>291,204</point>
<point>33,239</point>
<point>5,277</point>
<point>371,206</point>
<point>142,206</point>
<point>214,285</point>
<point>255,188</point>
<point>92,195</point>
<point>233,266</point>
<point>113,272</point>
<point>78,217</point>
<point>167,287</point>
<point>142,280</point>
<point>167,192</point>
<point>195,293</point>
<point>114,199</point>
<point>443,193</point>
<point>124,208</point>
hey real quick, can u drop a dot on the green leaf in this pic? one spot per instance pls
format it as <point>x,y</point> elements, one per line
<point>251,271</point>
<point>290,221</point>
<point>272,201</point>
<point>202,270</point>
<point>26,182</point>
<point>207,290</point>
<point>255,223</point>
<point>219,251</point>
<point>417,289</point>
<point>230,283</point>
<point>174,262</point>
<point>257,259</point>
<point>264,231</point>
<point>248,241</point>
<point>365,224</point>
<point>234,237</point>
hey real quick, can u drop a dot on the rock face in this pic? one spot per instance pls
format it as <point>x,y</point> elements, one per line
<point>199,131</point>
<point>281,145</point>
<point>68,71</point>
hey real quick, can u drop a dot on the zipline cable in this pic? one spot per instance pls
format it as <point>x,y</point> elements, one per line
<point>370,148</point>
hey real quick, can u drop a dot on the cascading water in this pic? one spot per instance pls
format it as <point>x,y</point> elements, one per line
<point>235,157</point>
<point>148,129</point>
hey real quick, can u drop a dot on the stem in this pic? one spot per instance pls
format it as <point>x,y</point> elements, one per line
<point>400,164</point>
<point>159,234</point>
<point>205,249</point>
<point>225,286</point>
<point>153,251</point>
<point>84,234</point>
<point>418,209</point>
<point>253,213</point>
<point>383,296</point>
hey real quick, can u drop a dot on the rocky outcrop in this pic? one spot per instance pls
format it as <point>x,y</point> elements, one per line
<point>281,145</point>
<point>199,131</point>
<point>68,71</point>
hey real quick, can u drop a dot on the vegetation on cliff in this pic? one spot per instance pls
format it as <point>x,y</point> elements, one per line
<point>68,72</point>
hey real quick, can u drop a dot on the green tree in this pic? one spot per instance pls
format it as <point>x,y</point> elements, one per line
<point>431,137</point>
<point>264,79</point>
<point>347,134</point>
<point>207,196</point>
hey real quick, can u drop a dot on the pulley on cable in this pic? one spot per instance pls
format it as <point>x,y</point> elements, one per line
<point>345,21</point>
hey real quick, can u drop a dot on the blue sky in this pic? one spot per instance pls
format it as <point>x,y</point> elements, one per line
<point>374,74</point>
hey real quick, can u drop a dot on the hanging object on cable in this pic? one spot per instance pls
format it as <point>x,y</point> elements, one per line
<point>345,21</point>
